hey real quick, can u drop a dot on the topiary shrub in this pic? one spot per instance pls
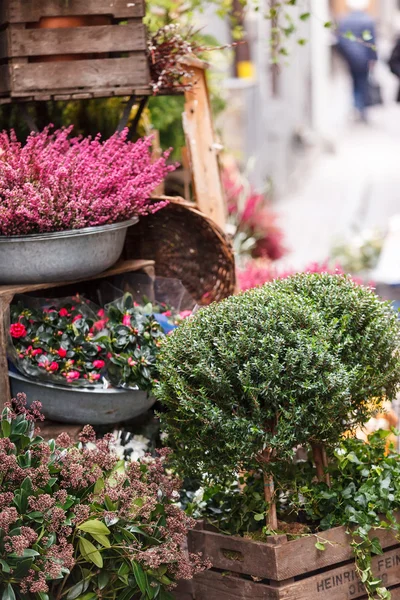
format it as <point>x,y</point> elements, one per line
<point>299,360</point>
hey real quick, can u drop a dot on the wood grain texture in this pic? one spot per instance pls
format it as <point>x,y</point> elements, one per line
<point>122,266</point>
<point>83,75</point>
<point>19,11</point>
<point>4,79</point>
<point>343,583</point>
<point>4,321</point>
<point>232,553</point>
<point>202,152</point>
<point>280,560</point>
<point>301,556</point>
<point>75,40</point>
<point>215,586</point>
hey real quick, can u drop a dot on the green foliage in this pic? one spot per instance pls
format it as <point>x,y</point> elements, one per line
<point>133,340</point>
<point>298,360</point>
<point>364,496</point>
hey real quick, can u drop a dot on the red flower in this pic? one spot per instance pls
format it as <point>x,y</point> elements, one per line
<point>99,325</point>
<point>76,318</point>
<point>101,312</point>
<point>99,348</point>
<point>109,355</point>
<point>62,353</point>
<point>18,330</point>
<point>168,313</point>
<point>98,364</point>
<point>63,312</point>
<point>126,320</point>
<point>36,351</point>
<point>94,376</point>
<point>53,366</point>
<point>73,375</point>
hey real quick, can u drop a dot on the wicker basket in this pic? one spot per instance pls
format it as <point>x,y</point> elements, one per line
<point>185,245</point>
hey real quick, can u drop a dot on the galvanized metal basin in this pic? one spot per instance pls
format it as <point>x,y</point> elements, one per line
<point>92,406</point>
<point>61,256</point>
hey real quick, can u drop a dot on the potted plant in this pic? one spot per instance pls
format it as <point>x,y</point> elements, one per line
<point>66,203</point>
<point>295,363</point>
<point>76,522</point>
<point>88,363</point>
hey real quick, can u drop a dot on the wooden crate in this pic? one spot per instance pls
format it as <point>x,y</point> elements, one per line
<point>112,57</point>
<point>288,570</point>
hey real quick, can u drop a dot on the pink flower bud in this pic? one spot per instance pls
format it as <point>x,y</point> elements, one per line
<point>126,320</point>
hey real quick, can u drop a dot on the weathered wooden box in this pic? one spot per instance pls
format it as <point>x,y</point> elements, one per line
<point>61,49</point>
<point>287,570</point>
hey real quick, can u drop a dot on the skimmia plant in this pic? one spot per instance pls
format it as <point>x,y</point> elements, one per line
<point>75,522</point>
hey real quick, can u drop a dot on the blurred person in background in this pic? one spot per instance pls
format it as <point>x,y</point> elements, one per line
<point>356,43</point>
<point>394,61</point>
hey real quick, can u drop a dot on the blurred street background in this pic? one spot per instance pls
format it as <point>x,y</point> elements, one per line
<point>294,130</point>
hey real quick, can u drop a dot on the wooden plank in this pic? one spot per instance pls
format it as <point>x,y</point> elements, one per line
<point>74,40</point>
<point>301,556</point>
<point>216,586</point>
<point>232,553</point>
<point>343,583</point>
<point>122,266</point>
<point>184,590</point>
<point>202,150</point>
<point>4,43</point>
<point>4,320</point>
<point>86,74</point>
<point>20,11</point>
<point>4,79</point>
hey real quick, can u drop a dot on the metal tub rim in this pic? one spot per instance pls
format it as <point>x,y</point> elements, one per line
<point>53,235</point>
<point>81,405</point>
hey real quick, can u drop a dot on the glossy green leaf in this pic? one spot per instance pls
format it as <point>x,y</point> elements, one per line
<point>94,526</point>
<point>90,552</point>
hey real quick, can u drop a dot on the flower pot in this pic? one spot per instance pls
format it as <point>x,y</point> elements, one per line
<point>96,406</point>
<point>68,23</point>
<point>61,256</point>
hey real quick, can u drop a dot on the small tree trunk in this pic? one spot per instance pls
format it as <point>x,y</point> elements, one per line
<point>272,519</point>
<point>321,461</point>
<point>269,493</point>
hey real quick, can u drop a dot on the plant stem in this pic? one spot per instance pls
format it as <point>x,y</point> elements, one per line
<point>272,519</point>
<point>269,493</point>
<point>321,462</point>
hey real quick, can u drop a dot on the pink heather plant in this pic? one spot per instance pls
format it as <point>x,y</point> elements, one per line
<point>56,182</point>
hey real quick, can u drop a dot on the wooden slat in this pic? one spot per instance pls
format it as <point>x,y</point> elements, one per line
<point>122,266</point>
<point>4,78</point>
<point>74,40</point>
<point>248,557</point>
<point>343,583</point>
<point>60,77</point>
<point>20,11</point>
<point>282,560</point>
<point>214,586</point>
<point>4,320</point>
<point>200,141</point>
<point>301,556</point>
